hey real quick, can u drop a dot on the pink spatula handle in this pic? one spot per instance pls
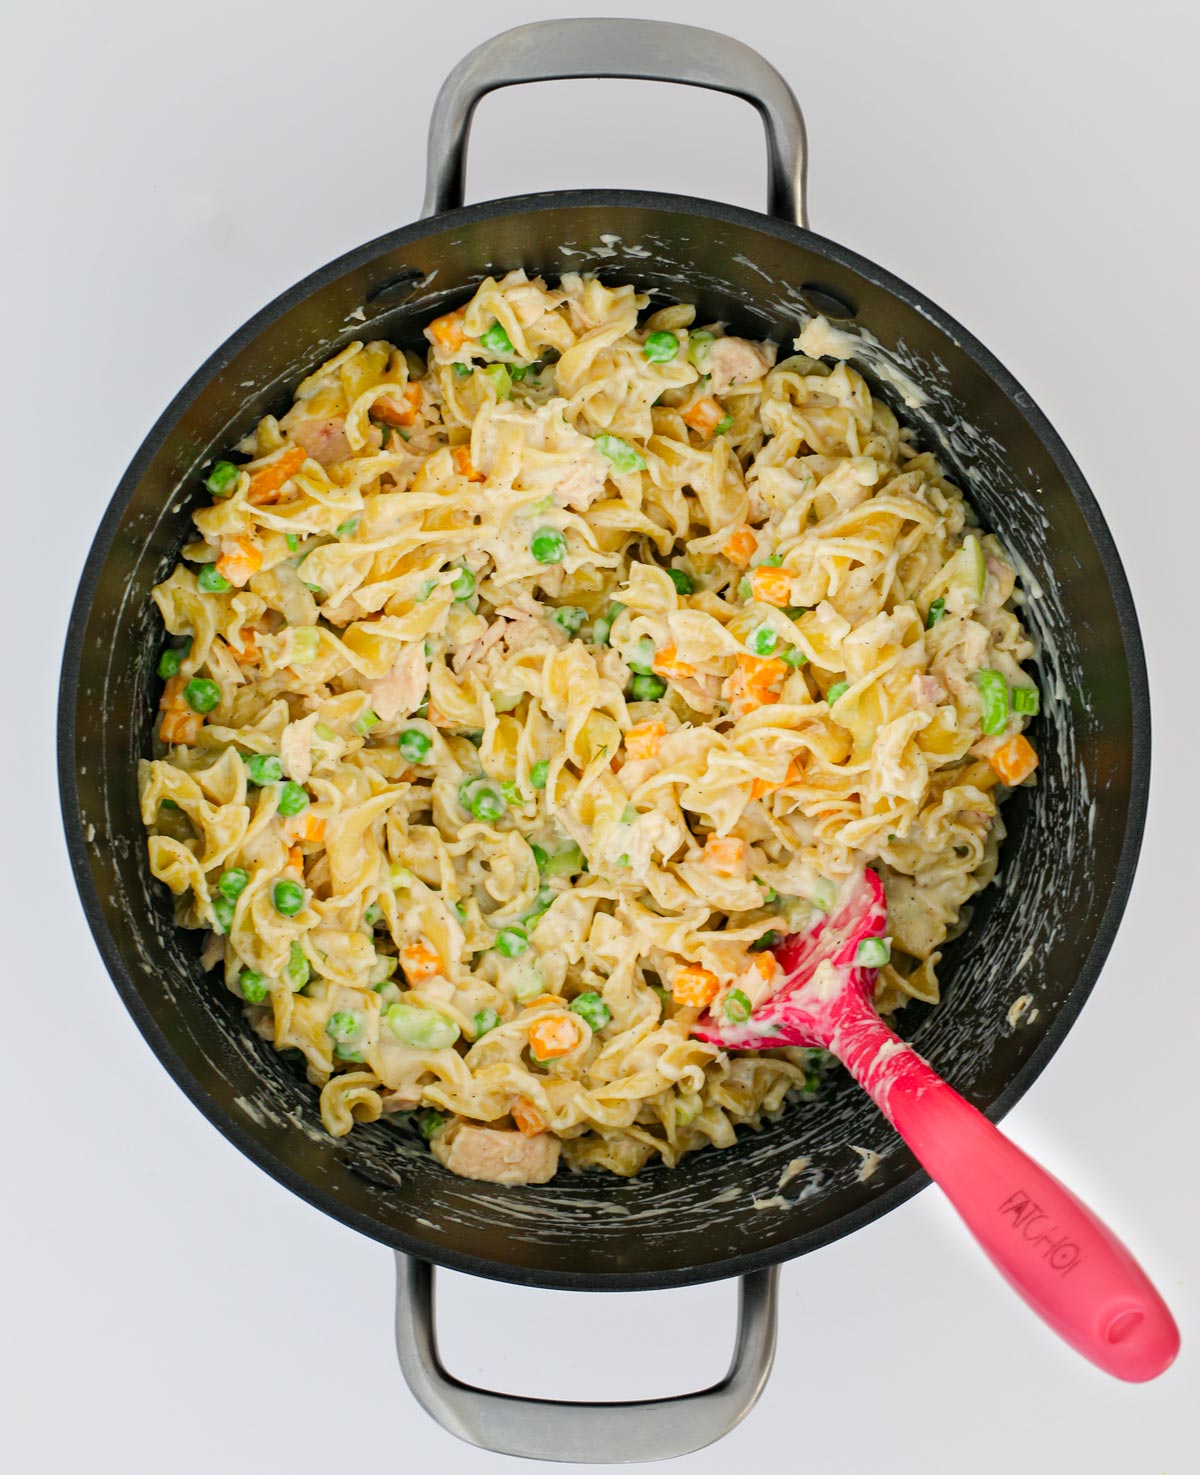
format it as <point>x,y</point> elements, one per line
<point>1073,1271</point>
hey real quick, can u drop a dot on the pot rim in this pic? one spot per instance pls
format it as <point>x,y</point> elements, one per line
<point>1089,970</point>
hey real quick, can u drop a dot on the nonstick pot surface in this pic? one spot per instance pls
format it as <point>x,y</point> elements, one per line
<point>1043,930</point>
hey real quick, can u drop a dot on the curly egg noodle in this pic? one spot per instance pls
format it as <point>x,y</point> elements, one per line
<point>519,694</point>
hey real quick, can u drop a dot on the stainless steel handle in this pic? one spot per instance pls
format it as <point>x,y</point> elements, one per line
<point>654,51</point>
<point>587,1433</point>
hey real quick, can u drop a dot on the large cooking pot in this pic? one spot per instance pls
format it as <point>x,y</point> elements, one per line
<point>1043,931</point>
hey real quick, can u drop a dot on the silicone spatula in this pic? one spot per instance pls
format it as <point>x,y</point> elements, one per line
<point>1070,1268</point>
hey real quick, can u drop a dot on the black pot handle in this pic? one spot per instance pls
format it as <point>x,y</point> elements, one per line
<point>584,1433</point>
<point>655,51</point>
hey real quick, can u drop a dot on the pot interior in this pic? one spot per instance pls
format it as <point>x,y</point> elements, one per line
<point>1042,930</point>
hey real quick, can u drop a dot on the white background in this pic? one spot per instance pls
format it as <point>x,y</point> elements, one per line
<point>169,168</point>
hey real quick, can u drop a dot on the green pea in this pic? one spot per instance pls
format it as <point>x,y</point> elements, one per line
<point>169,663</point>
<point>699,344</point>
<point>724,425</point>
<point>486,1020</point>
<point>601,630</point>
<point>496,340</point>
<point>430,1122</point>
<point>233,882</point>
<point>548,545</point>
<point>212,582</point>
<point>511,791</point>
<point>873,952</point>
<point>745,588</point>
<point>424,1028</point>
<point>565,861</point>
<point>539,773</point>
<point>464,585</point>
<point>592,1007</point>
<point>388,991</point>
<point>292,541</point>
<point>501,378</point>
<point>511,942</point>
<point>487,805</point>
<point>253,986</point>
<point>794,656</point>
<point>569,618</point>
<point>647,688</point>
<point>296,969</point>
<point>414,745</point>
<point>641,657</point>
<point>263,769</point>
<point>344,1025</point>
<point>683,582</point>
<point>838,689</point>
<point>762,640</point>
<point>288,897</point>
<point>201,694</point>
<point>462,370</point>
<point>624,457</point>
<point>936,610</point>
<point>661,348</point>
<point>517,372</point>
<point>292,799</point>
<point>222,909</point>
<point>373,914</point>
<point>222,479</point>
<point>767,940</point>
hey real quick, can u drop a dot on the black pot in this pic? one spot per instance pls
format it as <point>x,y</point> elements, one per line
<point>1067,863</point>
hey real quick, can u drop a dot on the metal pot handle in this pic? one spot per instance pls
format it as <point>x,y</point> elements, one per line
<point>586,1433</point>
<point>654,51</point>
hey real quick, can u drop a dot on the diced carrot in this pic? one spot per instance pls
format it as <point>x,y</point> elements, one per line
<point>1015,761</point>
<point>172,699</point>
<point>704,414</point>
<point>419,962</point>
<point>461,456</point>
<point>751,684</point>
<point>668,665</point>
<point>386,409</point>
<point>447,332</point>
<point>725,854</point>
<point>305,827</point>
<point>771,585</point>
<point>528,1118</point>
<point>762,786</point>
<point>553,1037</point>
<point>741,546</point>
<point>761,670</point>
<point>642,741</point>
<point>180,727</point>
<point>766,964</point>
<point>265,484</point>
<point>249,653</point>
<point>240,558</point>
<point>694,987</point>
<point>295,859</point>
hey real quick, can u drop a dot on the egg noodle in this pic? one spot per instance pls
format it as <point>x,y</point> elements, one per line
<point>520,695</point>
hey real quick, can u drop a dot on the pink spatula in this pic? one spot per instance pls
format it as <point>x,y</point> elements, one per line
<point>1073,1271</point>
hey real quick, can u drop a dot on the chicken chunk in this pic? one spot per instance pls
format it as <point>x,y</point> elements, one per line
<point>735,361</point>
<point>400,690</point>
<point>495,1154</point>
<point>324,440</point>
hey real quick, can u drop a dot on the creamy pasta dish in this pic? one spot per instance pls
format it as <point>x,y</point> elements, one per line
<point>521,693</point>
